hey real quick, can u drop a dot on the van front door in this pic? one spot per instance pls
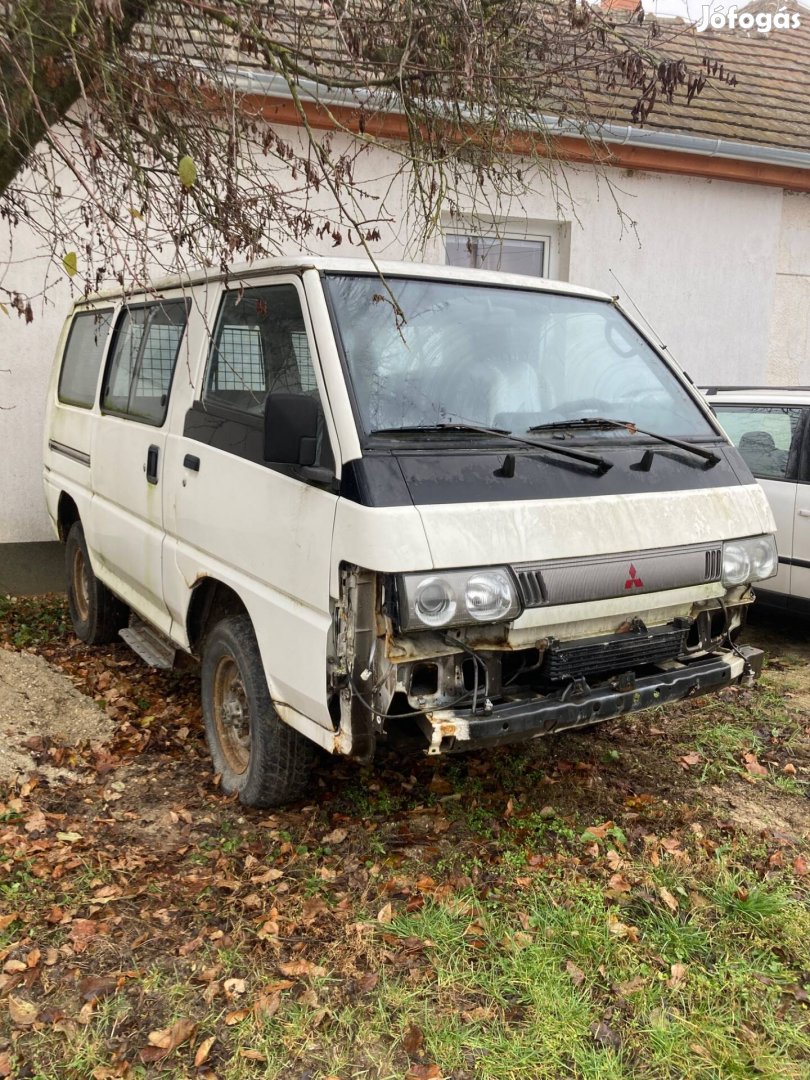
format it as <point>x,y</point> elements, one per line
<point>125,530</point>
<point>258,527</point>
<point>768,438</point>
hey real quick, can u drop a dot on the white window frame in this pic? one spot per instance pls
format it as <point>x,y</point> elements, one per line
<point>550,233</point>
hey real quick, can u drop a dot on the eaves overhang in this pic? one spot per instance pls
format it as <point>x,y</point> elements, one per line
<point>604,143</point>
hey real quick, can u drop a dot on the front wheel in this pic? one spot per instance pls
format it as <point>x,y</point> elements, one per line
<point>260,757</point>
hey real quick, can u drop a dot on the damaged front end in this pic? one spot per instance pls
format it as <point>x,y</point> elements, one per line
<point>446,689</point>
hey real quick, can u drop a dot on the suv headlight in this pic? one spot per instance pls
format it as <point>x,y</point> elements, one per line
<point>456,597</point>
<point>752,559</point>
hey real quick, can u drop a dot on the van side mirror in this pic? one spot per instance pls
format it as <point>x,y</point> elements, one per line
<point>291,434</point>
<point>290,429</point>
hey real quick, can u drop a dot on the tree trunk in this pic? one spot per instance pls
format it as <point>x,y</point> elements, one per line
<point>49,51</point>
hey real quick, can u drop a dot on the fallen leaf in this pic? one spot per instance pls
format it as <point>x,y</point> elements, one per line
<point>236,1017</point>
<point>23,1013</point>
<point>81,930</point>
<point>413,1040</point>
<point>234,987</point>
<point>367,982</point>
<point>336,836</point>
<point>576,974</point>
<point>605,1036</point>
<point>676,975</point>
<point>619,884</point>
<point>170,1038</point>
<point>631,986</point>
<point>69,837</point>
<point>301,967</point>
<point>753,767</point>
<point>668,899</point>
<point>266,1005</point>
<point>386,914</point>
<point>424,1072</point>
<point>95,987</point>
<point>7,920</point>
<point>688,760</point>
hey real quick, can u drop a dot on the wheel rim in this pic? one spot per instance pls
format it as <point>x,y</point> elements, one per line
<point>81,585</point>
<point>231,714</point>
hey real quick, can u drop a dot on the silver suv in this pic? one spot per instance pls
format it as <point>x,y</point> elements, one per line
<point>770,426</point>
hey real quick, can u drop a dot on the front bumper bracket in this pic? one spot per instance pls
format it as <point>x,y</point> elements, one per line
<point>534,715</point>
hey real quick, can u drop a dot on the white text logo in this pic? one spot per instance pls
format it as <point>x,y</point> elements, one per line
<point>715,18</point>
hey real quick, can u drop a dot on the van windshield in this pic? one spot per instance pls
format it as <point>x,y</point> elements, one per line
<point>501,358</point>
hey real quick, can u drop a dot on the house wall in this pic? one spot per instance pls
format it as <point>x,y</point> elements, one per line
<point>720,270</point>
<point>789,342</point>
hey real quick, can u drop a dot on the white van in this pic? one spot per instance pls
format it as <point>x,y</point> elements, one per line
<point>442,508</point>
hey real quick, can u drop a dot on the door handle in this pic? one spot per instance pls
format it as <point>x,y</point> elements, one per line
<point>191,461</point>
<point>804,513</point>
<point>152,455</point>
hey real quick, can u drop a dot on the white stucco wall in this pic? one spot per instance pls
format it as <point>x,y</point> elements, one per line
<point>720,270</point>
<point>789,344</point>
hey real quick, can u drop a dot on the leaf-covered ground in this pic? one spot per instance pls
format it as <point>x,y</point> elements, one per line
<point>630,901</point>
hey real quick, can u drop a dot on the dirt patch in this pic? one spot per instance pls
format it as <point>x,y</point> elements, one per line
<point>39,705</point>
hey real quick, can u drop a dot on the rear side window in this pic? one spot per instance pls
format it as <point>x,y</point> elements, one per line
<point>144,354</point>
<point>260,347</point>
<point>767,437</point>
<point>82,357</point>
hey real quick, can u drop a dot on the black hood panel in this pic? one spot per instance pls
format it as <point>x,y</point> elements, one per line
<point>430,477</point>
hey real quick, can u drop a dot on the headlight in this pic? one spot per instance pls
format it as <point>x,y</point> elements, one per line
<point>752,559</point>
<point>456,597</point>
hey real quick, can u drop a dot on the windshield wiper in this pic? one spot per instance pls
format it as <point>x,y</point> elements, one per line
<point>410,429</point>
<point>598,463</point>
<point>709,457</point>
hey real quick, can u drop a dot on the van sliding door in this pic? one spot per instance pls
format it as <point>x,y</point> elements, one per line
<point>126,514</point>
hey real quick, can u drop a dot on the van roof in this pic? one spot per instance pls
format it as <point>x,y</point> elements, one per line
<point>296,264</point>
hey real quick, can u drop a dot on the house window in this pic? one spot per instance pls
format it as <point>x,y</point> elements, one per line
<point>510,255</point>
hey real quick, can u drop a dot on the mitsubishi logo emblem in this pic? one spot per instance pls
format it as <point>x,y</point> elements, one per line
<point>634,579</point>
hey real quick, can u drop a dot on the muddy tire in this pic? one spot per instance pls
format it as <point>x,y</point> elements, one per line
<point>96,613</point>
<point>258,756</point>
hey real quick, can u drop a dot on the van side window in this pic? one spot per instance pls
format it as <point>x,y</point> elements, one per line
<point>144,353</point>
<point>767,437</point>
<point>260,347</point>
<point>82,358</point>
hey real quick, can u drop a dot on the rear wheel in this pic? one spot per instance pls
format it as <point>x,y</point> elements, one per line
<point>97,614</point>
<point>259,757</point>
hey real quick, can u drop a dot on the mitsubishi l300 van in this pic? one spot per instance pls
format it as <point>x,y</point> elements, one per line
<point>439,508</point>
